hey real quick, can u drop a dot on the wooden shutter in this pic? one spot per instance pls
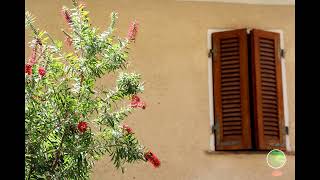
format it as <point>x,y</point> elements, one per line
<point>231,90</point>
<point>267,90</point>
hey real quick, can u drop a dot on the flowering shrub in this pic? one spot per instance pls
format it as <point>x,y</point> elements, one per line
<point>69,123</point>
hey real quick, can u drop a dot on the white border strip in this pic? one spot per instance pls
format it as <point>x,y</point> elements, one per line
<point>210,87</point>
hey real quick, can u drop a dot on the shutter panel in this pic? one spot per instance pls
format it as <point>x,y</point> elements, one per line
<point>231,90</point>
<point>267,90</point>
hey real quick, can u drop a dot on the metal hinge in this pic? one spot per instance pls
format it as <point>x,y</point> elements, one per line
<point>282,53</point>
<point>211,53</point>
<point>214,127</point>
<point>287,130</point>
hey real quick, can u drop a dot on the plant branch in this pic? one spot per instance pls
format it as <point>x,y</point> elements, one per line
<point>35,32</point>
<point>31,170</point>
<point>55,162</point>
<point>66,33</point>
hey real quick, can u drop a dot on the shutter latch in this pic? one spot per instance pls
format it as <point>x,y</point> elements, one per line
<point>287,130</point>
<point>282,53</point>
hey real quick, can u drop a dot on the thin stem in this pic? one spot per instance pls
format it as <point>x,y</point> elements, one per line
<point>30,172</point>
<point>55,162</point>
<point>35,32</point>
<point>66,33</point>
<point>42,52</point>
<point>50,38</point>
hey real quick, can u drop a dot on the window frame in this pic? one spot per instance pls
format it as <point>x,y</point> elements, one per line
<point>210,85</point>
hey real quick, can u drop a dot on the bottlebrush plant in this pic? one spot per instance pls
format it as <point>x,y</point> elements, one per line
<point>69,122</point>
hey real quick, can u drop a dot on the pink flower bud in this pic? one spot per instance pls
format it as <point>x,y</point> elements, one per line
<point>133,30</point>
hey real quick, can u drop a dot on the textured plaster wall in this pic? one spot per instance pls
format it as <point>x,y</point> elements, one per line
<point>171,53</point>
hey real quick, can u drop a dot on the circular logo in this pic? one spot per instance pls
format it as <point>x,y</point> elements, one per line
<point>276,159</point>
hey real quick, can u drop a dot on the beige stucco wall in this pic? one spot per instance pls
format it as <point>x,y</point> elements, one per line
<point>171,53</point>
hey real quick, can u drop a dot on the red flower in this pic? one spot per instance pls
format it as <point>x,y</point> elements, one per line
<point>28,68</point>
<point>142,105</point>
<point>127,128</point>
<point>152,158</point>
<point>42,71</point>
<point>135,102</point>
<point>82,126</point>
<point>68,41</point>
<point>66,14</point>
<point>133,30</point>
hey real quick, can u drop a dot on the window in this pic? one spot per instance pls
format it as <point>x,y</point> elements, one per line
<point>247,90</point>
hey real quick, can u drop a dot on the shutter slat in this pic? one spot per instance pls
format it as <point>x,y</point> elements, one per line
<point>226,93</point>
<point>267,90</point>
<point>265,49</point>
<point>264,83</point>
<point>231,90</point>
<point>271,128</point>
<point>268,97</point>
<point>230,49</point>
<point>268,114</point>
<point>270,123</point>
<point>237,114</point>
<point>265,45</point>
<point>228,71</point>
<point>229,41</point>
<point>230,80</point>
<point>271,63</point>
<point>233,132</point>
<point>234,61</point>
<point>271,133</point>
<point>267,59</point>
<point>266,54</point>
<point>228,54</point>
<point>233,83</point>
<point>269,80</point>
<point>231,99</point>
<point>235,127</point>
<point>232,123</point>
<point>264,66</point>
<point>233,66</point>
<point>268,110</point>
<point>271,106</point>
<point>269,93</point>
<point>270,119</point>
<point>266,41</point>
<point>230,75</point>
<point>228,110</point>
<point>230,45</point>
<point>231,106</point>
<point>264,75</point>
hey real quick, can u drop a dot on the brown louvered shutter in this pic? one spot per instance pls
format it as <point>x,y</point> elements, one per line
<point>267,90</point>
<point>231,90</point>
